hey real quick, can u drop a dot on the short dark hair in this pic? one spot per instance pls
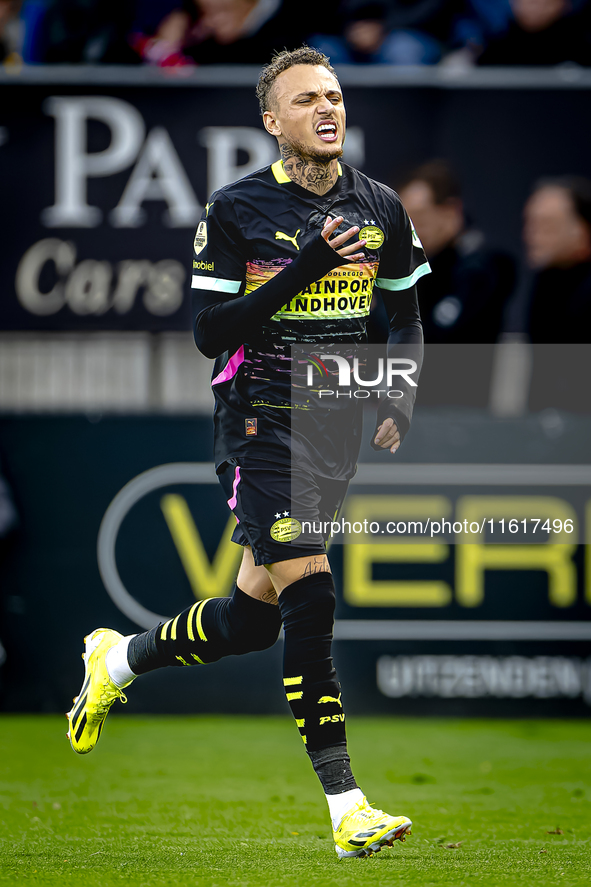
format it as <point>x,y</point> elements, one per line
<point>280,62</point>
<point>578,189</point>
<point>440,178</point>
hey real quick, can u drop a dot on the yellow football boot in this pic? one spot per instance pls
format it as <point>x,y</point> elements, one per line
<point>98,693</point>
<point>363,831</point>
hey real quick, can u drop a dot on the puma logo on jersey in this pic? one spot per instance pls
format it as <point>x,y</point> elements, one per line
<point>331,699</point>
<point>279,235</point>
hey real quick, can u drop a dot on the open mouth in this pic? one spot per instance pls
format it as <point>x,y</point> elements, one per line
<point>327,131</point>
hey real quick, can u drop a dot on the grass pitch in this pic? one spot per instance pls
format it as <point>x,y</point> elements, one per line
<point>233,801</point>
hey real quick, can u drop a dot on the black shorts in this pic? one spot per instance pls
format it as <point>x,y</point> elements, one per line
<point>281,513</point>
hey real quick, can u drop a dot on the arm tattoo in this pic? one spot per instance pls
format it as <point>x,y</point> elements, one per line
<point>310,174</point>
<point>316,565</point>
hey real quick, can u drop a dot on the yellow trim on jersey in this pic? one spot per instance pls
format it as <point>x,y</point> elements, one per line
<point>173,629</point>
<point>279,173</point>
<point>276,406</point>
<point>164,631</point>
<point>290,682</point>
<point>291,696</point>
<point>282,177</point>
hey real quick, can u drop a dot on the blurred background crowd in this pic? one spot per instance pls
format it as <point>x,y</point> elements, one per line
<point>477,294</point>
<point>176,33</point>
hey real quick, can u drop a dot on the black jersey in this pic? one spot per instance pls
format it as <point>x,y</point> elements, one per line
<point>250,232</point>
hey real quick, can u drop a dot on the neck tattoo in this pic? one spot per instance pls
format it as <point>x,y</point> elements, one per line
<point>313,175</point>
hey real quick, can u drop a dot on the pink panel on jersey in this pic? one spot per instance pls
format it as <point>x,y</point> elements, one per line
<point>233,501</point>
<point>231,367</point>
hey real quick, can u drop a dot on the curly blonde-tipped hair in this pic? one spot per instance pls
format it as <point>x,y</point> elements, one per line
<point>280,62</point>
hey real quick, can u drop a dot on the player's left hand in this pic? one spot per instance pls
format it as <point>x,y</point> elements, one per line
<point>388,436</point>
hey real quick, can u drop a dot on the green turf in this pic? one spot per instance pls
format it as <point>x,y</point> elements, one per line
<point>233,801</point>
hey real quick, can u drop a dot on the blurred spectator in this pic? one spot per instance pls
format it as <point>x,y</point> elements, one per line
<point>9,30</point>
<point>395,32</point>
<point>542,32</point>
<point>245,31</point>
<point>463,300</point>
<point>160,30</point>
<point>32,42</point>
<point>557,236</point>
<point>165,32</point>
<point>479,22</point>
<point>491,18</point>
<point>88,31</point>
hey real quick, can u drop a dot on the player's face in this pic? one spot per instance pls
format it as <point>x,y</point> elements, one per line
<point>308,112</point>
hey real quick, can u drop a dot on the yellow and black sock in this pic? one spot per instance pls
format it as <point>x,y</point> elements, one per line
<point>206,632</point>
<point>310,679</point>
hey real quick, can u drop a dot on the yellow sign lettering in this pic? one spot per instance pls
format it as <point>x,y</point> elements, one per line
<point>207,579</point>
<point>360,589</point>
<point>555,558</point>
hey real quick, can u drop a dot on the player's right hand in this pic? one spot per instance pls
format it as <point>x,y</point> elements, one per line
<point>347,252</point>
<point>388,436</point>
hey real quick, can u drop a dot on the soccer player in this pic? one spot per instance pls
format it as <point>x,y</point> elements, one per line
<point>290,253</point>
